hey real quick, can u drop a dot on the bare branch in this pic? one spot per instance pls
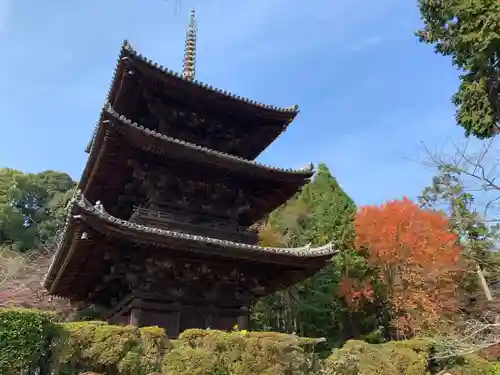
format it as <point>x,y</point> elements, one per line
<point>474,335</point>
<point>476,169</point>
<point>21,278</point>
<point>464,171</point>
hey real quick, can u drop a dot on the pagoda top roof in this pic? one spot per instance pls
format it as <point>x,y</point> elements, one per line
<point>80,209</point>
<point>128,53</point>
<point>127,49</point>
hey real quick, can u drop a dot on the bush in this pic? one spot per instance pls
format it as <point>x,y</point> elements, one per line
<point>394,358</point>
<point>103,348</point>
<point>27,341</point>
<point>214,352</point>
<point>31,342</point>
<point>471,364</point>
<point>495,369</point>
<point>411,357</point>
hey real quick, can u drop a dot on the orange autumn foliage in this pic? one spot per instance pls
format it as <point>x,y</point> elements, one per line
<point>417,259</point>
<point>355,291</point>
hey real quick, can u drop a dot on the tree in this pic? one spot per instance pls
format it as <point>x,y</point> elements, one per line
<point>468,32</point>
<point>32,206</point>
<point>416,262</point>
<point>321,213</point>
<point>331,219</point>
<point>465,188</point>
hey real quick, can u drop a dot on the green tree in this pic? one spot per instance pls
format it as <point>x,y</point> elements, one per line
<point>32,206</point>
<point>321,312</point>
<point>321,213</point>
<point>447,193</point>
<point>468,31</point>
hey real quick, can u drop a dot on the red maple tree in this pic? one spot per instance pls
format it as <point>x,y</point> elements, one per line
<point>417,262</point>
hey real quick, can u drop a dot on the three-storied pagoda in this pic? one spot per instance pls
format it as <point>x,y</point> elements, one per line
<point>160,231</point>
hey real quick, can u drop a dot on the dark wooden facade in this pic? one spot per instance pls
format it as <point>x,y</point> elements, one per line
<point>160,232</point>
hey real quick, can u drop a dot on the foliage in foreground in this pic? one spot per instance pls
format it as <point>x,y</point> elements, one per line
<point>33,342</point>
<point>26,339</point>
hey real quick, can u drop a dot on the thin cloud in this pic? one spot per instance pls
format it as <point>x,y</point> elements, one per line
<point>365,43</point>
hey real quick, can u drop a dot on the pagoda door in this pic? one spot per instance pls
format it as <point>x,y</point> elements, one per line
<point>193,318</point>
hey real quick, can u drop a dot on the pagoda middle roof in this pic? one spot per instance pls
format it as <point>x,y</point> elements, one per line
<point>283,115</point>
<point>115,130</point>
<point>82,214</point>
<point>157,143</point>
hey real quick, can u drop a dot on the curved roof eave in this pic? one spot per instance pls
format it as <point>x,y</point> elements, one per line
<point>306,172</point>
<point>79,202</point>
<point>304,251</point>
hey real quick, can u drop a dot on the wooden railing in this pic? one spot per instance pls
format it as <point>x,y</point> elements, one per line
<point>187,220</point>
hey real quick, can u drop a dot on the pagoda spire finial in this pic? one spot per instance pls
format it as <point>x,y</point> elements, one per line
<point>190,49</point>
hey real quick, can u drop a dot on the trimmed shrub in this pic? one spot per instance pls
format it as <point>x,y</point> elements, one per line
<point>411,357</point>
<point>470,364</point>
<point>495,368</point>
<point>154,344</point>
<point>31,342</point>
<point>211,352</point>
<point>27,341</point>
<point>109,349</point>
<point>359,357</point>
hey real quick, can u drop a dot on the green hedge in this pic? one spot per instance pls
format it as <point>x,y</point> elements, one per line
<point>239,353</point>
<point>124,350</point>
<point>27,341</point>
<point>359,357</point>
<point>33,342</point>
<point>409,357</point>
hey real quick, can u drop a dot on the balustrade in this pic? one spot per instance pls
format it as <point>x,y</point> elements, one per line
<point>192,224</point>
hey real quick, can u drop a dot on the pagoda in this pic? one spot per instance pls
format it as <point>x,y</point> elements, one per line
<point>161,230</point>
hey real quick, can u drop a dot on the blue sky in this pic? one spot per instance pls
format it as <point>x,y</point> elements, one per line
<point>369,93</point>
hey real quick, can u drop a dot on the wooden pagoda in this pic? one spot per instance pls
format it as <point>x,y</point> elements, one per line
<point>160,230</point>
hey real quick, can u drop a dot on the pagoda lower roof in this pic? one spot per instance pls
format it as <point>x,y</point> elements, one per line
<point>283,116</point>
<point>84,217</point>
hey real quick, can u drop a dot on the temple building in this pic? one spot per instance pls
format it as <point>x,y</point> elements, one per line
<point>161,230</point>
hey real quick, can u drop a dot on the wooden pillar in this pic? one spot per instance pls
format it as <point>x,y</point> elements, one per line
<point>177,326</point>
<point>243,319</point>
<point>135,317</point>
